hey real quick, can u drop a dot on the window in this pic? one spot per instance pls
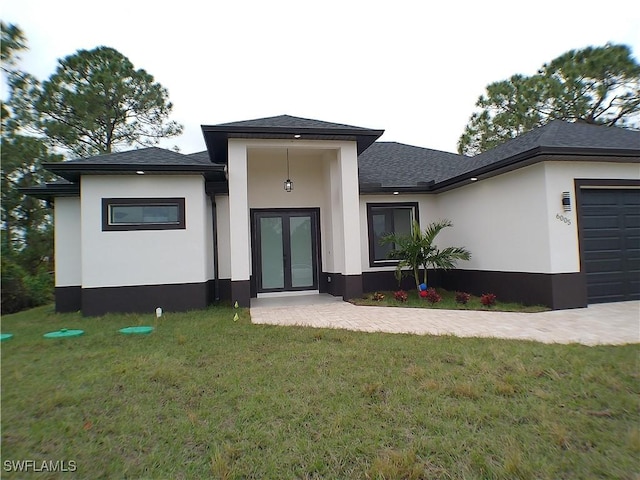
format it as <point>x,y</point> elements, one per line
<point>384,219</point>
<point>143,214</point>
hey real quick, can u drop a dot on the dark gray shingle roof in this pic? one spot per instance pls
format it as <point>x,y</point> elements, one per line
<point>288,121</point>
<point>202,157</point>
<point>142,157</point>
<point>393,164</point>
<point>558,136</point>
<point>283,127</point>
<point>399,165</point>
<point>152,159</point>
<point>383,165</point>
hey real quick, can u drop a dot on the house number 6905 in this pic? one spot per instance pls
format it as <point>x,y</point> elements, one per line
<point>564,219</point>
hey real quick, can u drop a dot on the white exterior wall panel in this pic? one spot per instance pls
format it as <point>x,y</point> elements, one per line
<point>350,208</point>
<point>563,226</point>
<point>224,238</point>
<point>67,241</point>
<point>515,222</point>
<point>502,221</point>
<point>144,257</point>
<point>208,241</point>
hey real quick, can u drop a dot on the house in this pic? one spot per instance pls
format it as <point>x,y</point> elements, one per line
<point>282,205</point>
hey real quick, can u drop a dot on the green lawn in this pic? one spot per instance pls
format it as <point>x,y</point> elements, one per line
<point>207,397</point>
<point>448,302</point>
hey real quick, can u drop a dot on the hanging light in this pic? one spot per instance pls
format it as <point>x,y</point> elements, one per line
<point>288,184</point>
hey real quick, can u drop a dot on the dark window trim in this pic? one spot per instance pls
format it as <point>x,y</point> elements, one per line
<point>179,201</point>
<point>385,263</point>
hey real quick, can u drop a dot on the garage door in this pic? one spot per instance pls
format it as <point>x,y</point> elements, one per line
<point>610,225</point>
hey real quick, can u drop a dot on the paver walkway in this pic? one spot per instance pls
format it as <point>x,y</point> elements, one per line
<point>606,323</point>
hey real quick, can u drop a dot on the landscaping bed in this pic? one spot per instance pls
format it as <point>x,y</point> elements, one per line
<point>447,302</point>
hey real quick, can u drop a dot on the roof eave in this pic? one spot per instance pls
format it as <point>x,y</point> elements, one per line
<point>530,157</point>
<point>216,137</point>
<point>379,189</point>
<point>50,191</point>
<point>73,171</point>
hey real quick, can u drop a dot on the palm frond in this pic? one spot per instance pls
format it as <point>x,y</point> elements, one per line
<point>434,229</point>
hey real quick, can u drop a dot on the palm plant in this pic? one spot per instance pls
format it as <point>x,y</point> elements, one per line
<point>417,250</point>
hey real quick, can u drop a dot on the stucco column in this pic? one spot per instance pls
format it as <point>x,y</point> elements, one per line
<point>240,238</point>
<point>350,213</point>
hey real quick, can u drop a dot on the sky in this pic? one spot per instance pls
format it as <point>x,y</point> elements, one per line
<point>412,68</point>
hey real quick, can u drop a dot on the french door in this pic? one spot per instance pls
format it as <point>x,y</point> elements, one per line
<point>285,249</point>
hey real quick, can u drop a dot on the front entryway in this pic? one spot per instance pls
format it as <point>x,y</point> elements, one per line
<point>285,250</point>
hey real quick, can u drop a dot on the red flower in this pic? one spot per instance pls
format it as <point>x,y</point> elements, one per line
<point>462,297</point>
<point>401,296</point>
<point>488,299</point>
<point>432,295</point>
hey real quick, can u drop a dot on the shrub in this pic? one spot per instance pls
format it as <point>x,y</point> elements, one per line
<point>488,299</point>
<point>20,290</point>
<point>401,296</point>
<point>462,297</point>
<point>378,297</point>
<point>433,296</point>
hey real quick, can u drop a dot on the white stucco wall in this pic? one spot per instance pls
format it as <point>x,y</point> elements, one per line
<point>335,240</point>
<point>208,241</point>
<point>146,257</point>
<point>224,238</point>
<point>67,241</point>
<point>239,221</point>
<point>332,254</point>
<point>268,171</point>
<point>515,223</point>
<point>349,208</point>
<point>308,169</point>
<point>501,220</point>
<point>563,231</point>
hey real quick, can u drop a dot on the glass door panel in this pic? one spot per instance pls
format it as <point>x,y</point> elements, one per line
<point>301,248</point>
<point>285,250</point>
<point>271,252</point>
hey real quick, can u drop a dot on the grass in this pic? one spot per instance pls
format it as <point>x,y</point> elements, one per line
<point>448,302</point>
<point>206,397</point>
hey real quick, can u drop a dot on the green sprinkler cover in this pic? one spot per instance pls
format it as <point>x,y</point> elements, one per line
<point>5,336</point>
<point>134,330</point>
<point>63,333</point>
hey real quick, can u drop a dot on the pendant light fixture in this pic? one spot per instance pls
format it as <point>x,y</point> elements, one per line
<point>288,184</point>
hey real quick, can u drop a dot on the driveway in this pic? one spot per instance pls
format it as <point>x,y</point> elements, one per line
<point>599,324</point>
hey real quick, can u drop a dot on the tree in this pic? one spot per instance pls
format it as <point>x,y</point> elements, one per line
<point>13,42</point>
<point>27,232</point>
<point>418,250</point>
<point>21,158</point>
<point>597,85</point>
<point>97,102</point>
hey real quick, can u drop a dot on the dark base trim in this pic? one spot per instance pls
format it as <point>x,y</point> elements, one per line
<point>241,293</point>
<point>352,286</point>
<point>145,298</point>
<point>68,299</point>
<point>339,285</point>
<point>554,290</point>
<point>331,283</point>
<point>374,281</point>
<point>141,298</point>
<point>224,287</point>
